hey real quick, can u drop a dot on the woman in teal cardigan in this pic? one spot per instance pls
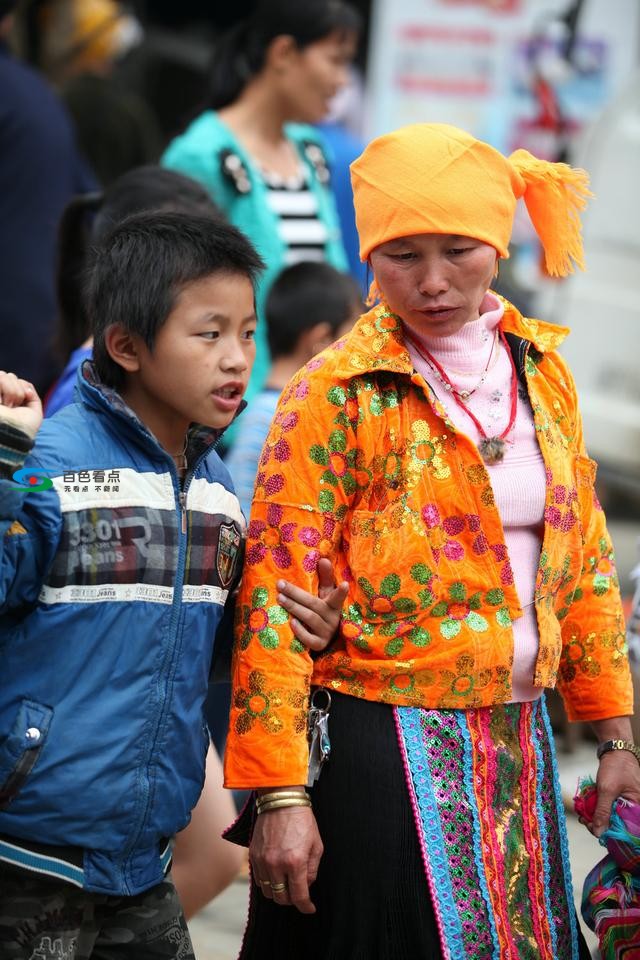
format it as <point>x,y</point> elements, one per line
<point>274,75</point>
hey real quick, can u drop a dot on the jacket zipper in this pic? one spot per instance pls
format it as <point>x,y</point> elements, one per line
<point>182,499</point>
<point>168,660</point>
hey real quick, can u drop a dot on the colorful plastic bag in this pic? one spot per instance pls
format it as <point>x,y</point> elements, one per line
<point>611,892</point>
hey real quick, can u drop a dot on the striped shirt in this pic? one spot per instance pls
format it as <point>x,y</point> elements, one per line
<point>296,207</point>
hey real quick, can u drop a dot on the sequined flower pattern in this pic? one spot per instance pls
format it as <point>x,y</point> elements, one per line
<point>463,609</point>
<point>465,680</point>
<point>259,620</point>
<point>603,569</point>
<point>384,604</point>
<point>426,451</point>
<point>578,653</point>
<point>260,704</point>
<point>270,536</point>
<point>318,541</point>
<point>344,466</point>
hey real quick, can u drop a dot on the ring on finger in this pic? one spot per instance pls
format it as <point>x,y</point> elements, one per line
<point>279,887</point>
<point>264,883</point>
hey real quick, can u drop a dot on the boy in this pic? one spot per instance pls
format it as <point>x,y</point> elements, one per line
<point>121,540</point>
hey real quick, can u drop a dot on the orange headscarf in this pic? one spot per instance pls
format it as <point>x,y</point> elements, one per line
<point>435,178</point>
<point>86,35</point>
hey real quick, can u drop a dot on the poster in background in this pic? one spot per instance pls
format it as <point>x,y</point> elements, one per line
<point>478,64</point>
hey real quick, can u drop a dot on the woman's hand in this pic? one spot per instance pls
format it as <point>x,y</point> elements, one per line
<point>286,849</point>
<point>618,776</point>
<point>19,403</point>
<point>618,771</point>
<point>314,620</point>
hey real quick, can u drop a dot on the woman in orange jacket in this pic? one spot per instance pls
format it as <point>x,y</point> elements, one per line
<point>435,456</point>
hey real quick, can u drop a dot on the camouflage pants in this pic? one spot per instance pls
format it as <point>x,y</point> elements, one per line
<point>46,919</point>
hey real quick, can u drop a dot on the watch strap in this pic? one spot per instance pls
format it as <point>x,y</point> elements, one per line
<point>608,745</point>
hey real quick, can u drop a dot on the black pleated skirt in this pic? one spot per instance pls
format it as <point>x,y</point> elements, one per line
<point>371,894</point>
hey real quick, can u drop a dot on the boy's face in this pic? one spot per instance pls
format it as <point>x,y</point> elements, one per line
<point>200,363</point>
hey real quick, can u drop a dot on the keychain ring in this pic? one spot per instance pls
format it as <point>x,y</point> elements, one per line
<point>321,690</point>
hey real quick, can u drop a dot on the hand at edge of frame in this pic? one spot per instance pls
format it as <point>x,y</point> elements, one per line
<point>20,404</point>
<point>618,776</point>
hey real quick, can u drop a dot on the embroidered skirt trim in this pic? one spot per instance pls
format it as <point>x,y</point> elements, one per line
<point>484,789</point>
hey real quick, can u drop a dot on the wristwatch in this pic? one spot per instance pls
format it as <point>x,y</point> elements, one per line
<point>608,745</point>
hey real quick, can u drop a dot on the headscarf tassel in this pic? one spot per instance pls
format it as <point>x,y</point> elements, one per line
<point>555,194</point>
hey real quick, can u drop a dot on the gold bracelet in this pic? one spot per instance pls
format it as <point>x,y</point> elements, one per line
<point>281,804</point>
<point>280,795</point>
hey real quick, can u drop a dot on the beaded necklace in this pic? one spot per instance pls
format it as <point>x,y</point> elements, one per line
<point>446,382</point>
<point>491,449</point>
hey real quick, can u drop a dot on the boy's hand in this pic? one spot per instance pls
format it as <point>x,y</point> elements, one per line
<point>19,403</point>
<point>314,620</point>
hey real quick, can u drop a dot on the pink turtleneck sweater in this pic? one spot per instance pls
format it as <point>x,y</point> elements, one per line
<point>518,482</point>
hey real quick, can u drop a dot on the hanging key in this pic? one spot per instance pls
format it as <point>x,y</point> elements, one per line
<point>318,733</point>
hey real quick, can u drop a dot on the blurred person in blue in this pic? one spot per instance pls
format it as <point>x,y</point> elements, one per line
<point>116,570</point>
<point>309,306</point>
<point>255,149</point>
<point>342,133</point>
<point>41,169</point>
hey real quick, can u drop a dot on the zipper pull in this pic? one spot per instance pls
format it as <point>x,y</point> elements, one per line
<point>182,497</point>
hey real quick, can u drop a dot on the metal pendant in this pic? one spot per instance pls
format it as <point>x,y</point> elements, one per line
<point>492,449</point>
<point>318,734</point>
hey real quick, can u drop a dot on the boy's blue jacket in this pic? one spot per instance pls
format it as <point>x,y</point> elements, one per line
<point>111,592</point>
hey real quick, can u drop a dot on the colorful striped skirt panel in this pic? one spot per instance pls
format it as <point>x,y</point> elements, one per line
<point>484,789</point>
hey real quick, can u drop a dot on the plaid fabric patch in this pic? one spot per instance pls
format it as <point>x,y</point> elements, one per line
<point>120,545</point>
<point>139,545</point>
<point>214,552</point>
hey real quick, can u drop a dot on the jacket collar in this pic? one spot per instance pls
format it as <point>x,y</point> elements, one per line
<point>376,342</point>
<point>95,394</point>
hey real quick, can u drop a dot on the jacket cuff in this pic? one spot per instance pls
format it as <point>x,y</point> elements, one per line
<point>15,446</point>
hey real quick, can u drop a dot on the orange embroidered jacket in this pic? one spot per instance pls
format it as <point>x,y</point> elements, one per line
<point>362,466</point>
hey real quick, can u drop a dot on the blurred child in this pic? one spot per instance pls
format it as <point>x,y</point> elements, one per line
<point>121,542</point>
<point>309,306</point>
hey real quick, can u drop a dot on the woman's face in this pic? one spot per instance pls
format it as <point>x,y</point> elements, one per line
<point>316,73</point>
<point>435,282</point>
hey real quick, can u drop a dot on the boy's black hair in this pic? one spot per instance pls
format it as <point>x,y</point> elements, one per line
<point>304,295</point>
<point>140,267</point>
